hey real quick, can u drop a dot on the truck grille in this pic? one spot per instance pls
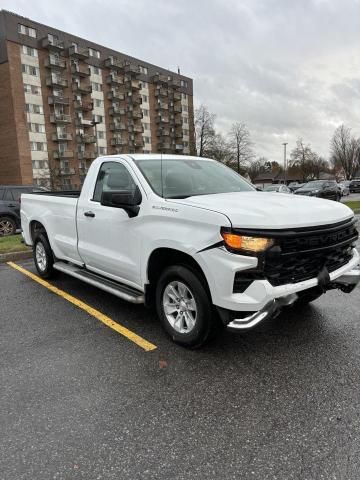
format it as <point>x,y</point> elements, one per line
<point>300,254</point>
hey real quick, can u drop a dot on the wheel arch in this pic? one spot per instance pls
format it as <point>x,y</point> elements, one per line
<point>163,257</point>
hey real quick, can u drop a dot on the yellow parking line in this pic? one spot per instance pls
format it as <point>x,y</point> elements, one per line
<point>141,342</point>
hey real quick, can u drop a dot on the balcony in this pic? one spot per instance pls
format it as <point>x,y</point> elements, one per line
<point>163,132</point>
<point>164,146</point>
<point>59,154</point>
<point>54,62</point>
<point>178,121</point>
<point>133,85</point>
<point>115,94</point>
<point>77,52</point>
<point>116,127</point>
<point>179,146</point>
<point>162,106</point>
<point>56,81</point>
<point>57,100</point>
<point>83,106</point>
<point>52,44</point>
<point>118,141</point>
<point>175,83</point>
<point>82,88</point>
<point>116,111</point>
<point>177,96</point>
<point>177,108</point>
<point>159,78</point>
<point>161,92</point>
<point>61,136</point>
<point>161,119</point>
<point>135,98</point>
<point>60,118</point>
<point>114,63</point>
<point>86,155</point>
<point>86,138</point>
<point>131,69</point>
<point>80,70</point>
<point>114,79</point>
<point>135,113</point>
<point>65,171</point>
<point>83,122</point>
<point>135,128</point>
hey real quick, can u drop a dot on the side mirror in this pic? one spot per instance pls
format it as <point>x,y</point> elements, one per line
<point>125,199</point>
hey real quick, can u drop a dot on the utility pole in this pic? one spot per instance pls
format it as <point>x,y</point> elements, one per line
<point>285,162</point>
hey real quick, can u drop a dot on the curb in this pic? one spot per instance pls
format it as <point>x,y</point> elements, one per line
<point>13,256</point>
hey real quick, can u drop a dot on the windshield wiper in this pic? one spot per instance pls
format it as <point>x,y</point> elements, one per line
<point>179,196</point>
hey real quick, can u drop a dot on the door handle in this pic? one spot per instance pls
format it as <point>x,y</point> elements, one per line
<point>89,214</point>
<point>12,205</point>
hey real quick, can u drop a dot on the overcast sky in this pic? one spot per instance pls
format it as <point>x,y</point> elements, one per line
<point>286,68</point>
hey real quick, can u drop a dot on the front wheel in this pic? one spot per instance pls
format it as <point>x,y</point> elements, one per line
<point>43,257</point>
<point>184,307</point>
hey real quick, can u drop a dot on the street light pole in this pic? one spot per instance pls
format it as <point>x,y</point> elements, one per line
<point>285,162</point>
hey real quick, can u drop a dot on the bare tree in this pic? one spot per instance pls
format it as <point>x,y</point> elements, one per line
<point>219,149</point>
<point>308,162</point>
<point>240,144</point>
<point>345,151</point>
<point>204,130</point>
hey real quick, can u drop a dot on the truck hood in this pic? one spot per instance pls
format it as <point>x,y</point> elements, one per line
<point>271,210</point>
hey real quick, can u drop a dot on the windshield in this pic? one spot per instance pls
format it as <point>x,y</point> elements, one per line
<point>185,178</point>
<point>272,188</point>
<point>315,184</point>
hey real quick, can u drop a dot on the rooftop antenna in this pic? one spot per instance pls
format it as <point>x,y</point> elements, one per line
<point>178,70</point>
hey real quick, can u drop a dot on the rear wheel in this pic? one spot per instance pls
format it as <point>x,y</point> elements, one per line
<point>43,257</point>
<point>7,226</point>
<point>184,307</point>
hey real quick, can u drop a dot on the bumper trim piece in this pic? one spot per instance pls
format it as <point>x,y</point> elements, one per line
<point>271,309</point>
<point>348,281</point>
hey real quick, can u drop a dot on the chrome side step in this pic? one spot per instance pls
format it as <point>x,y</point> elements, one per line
<point>118,289</point>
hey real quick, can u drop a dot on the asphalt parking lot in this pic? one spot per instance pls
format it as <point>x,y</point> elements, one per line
<point>81,401</point>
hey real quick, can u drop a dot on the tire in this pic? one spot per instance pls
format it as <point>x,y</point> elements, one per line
<point>43,257</point>
<point>7,226</point>
<point>198,322</point>
<point>308,296</point>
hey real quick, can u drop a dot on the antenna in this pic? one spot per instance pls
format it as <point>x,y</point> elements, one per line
<point>161,175</point>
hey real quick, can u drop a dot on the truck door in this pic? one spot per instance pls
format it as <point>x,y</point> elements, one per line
<point>108,240</point>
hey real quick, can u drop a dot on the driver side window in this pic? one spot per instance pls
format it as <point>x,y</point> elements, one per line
<point>113,177</point>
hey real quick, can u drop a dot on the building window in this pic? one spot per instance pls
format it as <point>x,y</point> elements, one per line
<point>32,52</point>
<point>145,112</point>
<point>38,146</point>
<point>94,53</point>
<point>146,126</point>
<point>30,70</point>
<point>185,132</point>
<point>98,102</point>
<point>33,89</point>
<point>143,69</point>
<point>36,127</point>
<point>32,108</point>
<point>97,87</point>
<point>185,120</point>
<point>24,30</point>
<point>186,144</point>
<point>185,108</point>
<point>95,70</point>
<point>42,164</point>
<point>184,96</point>
<point>145,98</point>
<point>102,150</point>
<point>100,135</point>
<point>146,139</point>
<point>184,83</point>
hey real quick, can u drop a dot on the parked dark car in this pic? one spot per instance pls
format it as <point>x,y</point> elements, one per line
<point>327,189</point>
<point>10,206</point>
<point>295,186</point>
<point>354,186</point>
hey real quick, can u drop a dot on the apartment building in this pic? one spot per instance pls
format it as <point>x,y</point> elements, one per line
<point>65,100</point>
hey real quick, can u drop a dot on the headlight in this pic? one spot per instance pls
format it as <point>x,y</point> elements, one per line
<point>243,242</point>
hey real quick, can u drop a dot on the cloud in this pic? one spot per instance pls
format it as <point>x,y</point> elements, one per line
<point>287,69</point>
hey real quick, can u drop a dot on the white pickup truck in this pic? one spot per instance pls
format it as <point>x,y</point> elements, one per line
<point>194,239</point>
